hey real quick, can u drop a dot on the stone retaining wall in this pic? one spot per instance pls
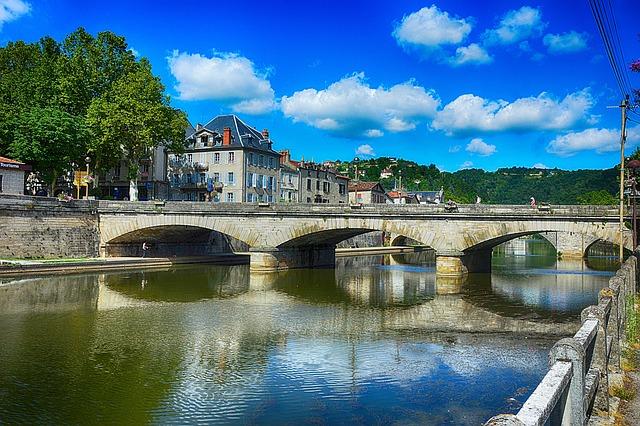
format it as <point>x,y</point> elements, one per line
<point>47,228</point>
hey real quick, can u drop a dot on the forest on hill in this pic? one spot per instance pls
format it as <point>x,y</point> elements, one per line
<point>514,185</point>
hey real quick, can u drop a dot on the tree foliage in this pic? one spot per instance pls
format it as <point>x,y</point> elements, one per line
<point>49,139</point>
<point>68,84</point>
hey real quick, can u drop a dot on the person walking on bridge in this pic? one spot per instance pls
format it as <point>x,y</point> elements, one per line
<point>532,202</point>
<point>145,249</point>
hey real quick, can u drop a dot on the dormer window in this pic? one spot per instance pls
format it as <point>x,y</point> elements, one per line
<point>203,140</point>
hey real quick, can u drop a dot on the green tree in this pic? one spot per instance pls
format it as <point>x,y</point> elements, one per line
<point>133,118</point>
<point>601,197</point>
<point>49,139</point>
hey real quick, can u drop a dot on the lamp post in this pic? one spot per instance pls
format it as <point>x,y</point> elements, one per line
<point>88,161</point>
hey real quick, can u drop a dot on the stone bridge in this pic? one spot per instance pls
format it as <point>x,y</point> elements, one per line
<point>281,236</point>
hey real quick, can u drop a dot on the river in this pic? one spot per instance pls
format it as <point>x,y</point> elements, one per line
<point>378,340</point>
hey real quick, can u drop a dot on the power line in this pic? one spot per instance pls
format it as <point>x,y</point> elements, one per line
<point>605,28</point>
<point>619,44</point>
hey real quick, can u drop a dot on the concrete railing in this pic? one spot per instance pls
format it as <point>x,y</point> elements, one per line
<point>578,378</point>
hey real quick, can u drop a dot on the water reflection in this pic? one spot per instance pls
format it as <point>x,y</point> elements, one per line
<point>377,340</point>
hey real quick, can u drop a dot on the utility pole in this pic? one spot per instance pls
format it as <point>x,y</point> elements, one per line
<point>623,137</point>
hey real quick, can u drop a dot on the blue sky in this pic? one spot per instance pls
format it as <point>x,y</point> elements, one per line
<point>483,84</point>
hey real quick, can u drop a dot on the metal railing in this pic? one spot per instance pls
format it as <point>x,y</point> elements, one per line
<point>578,378</point>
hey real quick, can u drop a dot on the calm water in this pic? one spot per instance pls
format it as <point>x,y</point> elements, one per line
<point>378,340</point>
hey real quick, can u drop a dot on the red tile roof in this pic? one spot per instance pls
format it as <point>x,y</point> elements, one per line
<point>362,186</point>
<point>9,160</point>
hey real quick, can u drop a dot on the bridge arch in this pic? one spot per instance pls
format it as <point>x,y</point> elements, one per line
<point>125,235</point>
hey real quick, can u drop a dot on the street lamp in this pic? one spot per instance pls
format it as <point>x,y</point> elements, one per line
<point>633,166</point>
<point>88,161</point>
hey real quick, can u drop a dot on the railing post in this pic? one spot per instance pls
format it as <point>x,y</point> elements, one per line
<point>599,356</point>
<point>570,350</point>
<point>504,420</point>
<point>613,325</point>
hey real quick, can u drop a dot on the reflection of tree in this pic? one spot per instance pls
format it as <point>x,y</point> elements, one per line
<point>182,284</point>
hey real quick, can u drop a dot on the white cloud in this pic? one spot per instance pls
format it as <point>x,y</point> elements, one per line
<point>471,54</point>
<point>351,108</point>
<point>565,43</point>
<point>455,148</point>
<point>480,147</point>
<point>466,165</point>
<point>516,25</point>
<point>469,113</point>
<point>431,27</point>
<point>10,10</point>
<point>134,51</point>
<point>223,77</point>
<point>539,166</point>
<point>598,140</point>
<point>366,150</point>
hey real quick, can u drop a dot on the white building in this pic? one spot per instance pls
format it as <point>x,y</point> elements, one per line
<point>12,176</point>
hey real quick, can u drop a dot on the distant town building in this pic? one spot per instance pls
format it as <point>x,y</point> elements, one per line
<point>400,197</point>
<point>430,197</point>
<point>225,160</point>
<point>386,173</point>
<point>319,184</point>
<point>12,177</point>
<point>361,192</point>
<point>289,178</point>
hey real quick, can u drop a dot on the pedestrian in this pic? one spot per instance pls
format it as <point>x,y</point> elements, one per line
<point>532,202</point>
<point>145,249</point>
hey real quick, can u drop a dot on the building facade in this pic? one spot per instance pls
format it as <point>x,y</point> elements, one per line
<point>289,178</point>
<point>225,160</point>
<point>319,184</point>
<point>152,181</point>
<point>12,176</point>
<point>361,192</point>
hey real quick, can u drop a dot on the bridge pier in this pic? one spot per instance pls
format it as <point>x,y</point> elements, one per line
<point>272,259</point>
<point>457,263</point>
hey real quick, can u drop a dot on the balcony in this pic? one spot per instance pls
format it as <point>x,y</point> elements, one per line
<point>201,167</point>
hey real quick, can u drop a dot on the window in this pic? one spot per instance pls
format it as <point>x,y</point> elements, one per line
<point>190,158</point>
<point>317,185</point>
<point>203,140</point>
<point>325,186</point>
<point>216,177</point>
<point>189,178</point>
<point>232,157</point>
<point>176,179</point>
<point>342,189</point>
<point>116,171</point>
<point>203,178</point>
<point>250,158</point>
<point>259,181</point>
<point>308,200</point>
<point>255,180</point>
<point>270,184</point>
<point>271,162</point>
<point>308,184</point>
<point>249,197</point>
<point>216,158</point>
<point>229,197</point>
<point>249,180</point>
<point>261,160</point>
<point>230,178</point>
<point>0,183</point>
<point>290,180</point>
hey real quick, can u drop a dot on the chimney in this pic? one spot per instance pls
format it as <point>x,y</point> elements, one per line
<point>226,136</point>
<point>265,134</point>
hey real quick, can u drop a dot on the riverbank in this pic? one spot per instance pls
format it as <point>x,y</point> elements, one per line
<point>14,267</point>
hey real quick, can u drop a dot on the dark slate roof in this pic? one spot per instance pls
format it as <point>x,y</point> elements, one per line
<point>189,131</point>
<point>242,135</point>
